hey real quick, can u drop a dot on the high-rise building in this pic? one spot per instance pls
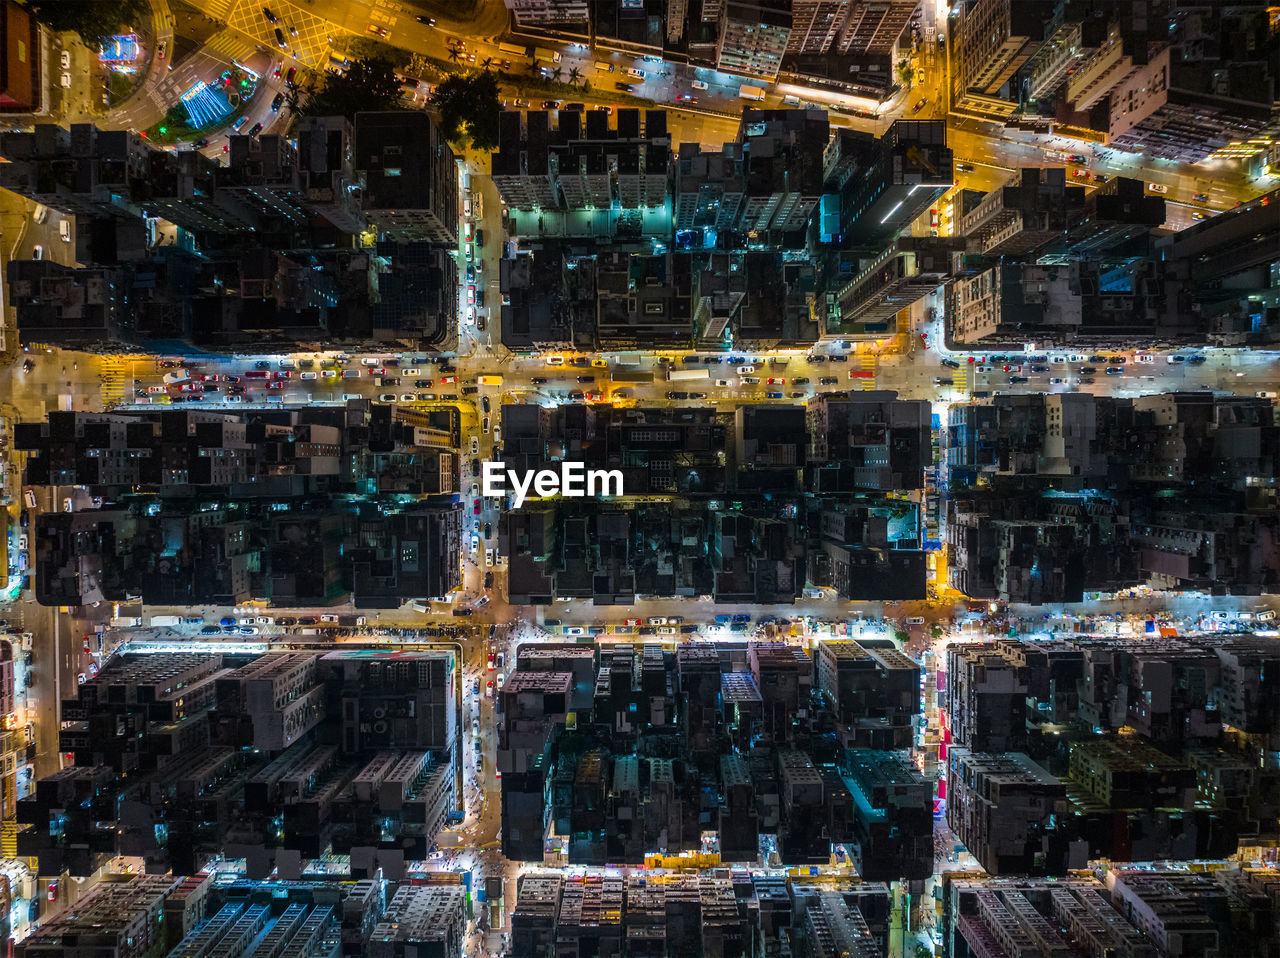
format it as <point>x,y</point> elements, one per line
<point>857,27</point>
<point>570,173</point>
<point>1025,215</point>
<point>326,167</point>
<point>1211,87</point>
<point>548,13</point>
<point>905,272</point>
<point>754,35</point>
<point>994,39</point>
<point>411,177</point>
<point>876,186</point>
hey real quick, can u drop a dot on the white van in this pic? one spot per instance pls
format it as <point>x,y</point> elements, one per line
<point>637,74</point>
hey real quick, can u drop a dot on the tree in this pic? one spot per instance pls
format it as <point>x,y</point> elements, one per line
<point>91,19</point>
<point>557,73</point>
<point>905,73</point>
<point>486,63</point>
<point>469,109</point>
<point>367,85</point>
<point>574,75</point>
<point>454,55</point>
<point>366,48</point>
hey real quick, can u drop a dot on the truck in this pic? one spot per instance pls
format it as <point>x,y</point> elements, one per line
<point>489,380</point>
<point>677,374</point>
<point>751,92</point>
<point>161,620</point>
<point>513,49</point>
<point>548,56</point>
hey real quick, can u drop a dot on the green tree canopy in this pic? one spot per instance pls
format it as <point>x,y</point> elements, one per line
<point>89,18</point>
<point>366,48</point>
<point>469,109</point>
<point>367,85</point>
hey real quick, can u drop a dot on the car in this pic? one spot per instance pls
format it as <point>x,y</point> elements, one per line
<point>1017,379</point>
<point>950,364</point>
<point>816,359</point>
<point>1157,188</point>
<point>657,620</point>
<point>1100,178</point>
<point>723,382</point>
<point>800,381</point>
<point>448,380</point>
<point>538,381</point>
<point>749,381</point>
<point>271,17</point>
<point>426,21</point>
<point>1080,174</point>
<point>1038,368</point>
<point>1087,370</point>
<point>249,630</point>
<point>255,129</point>
<point>280,40</point>
<point>776,382</point>
<point>1200,197</point>
<point>275,385</point>
<point>919,105</point>
<point>288,77</point>
<point>464,612</point>
<point>1196,360</point>
<point>699,85</point>
<point>943,381</point>
<point>837,359</point>
<point>773,395</point>
<point>1114,370</point>
<point>687,98</point>
<point>963,168</point>
<point>828,381</point>
<point>746,370</point>
<point>275,103</point>
<point>1055,381</point>
<point>422,384</point>
<point>475,446</point>
<point>211,630</point>
<point>586,379</point>
<point>1174,360</point>
<point>380,31</point>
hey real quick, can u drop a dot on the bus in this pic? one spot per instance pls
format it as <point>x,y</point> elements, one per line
<point>751,93</point>
<point>551,56</point>
<point>490,380</point>
<point>513,49</point>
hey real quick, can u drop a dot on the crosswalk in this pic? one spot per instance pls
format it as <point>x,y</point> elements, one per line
<point>217,9</point>
<point>9,839</point>
<point>230,45</point>
<point>117,381</point>
<point>865,365</point>
<point>960,378</point>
